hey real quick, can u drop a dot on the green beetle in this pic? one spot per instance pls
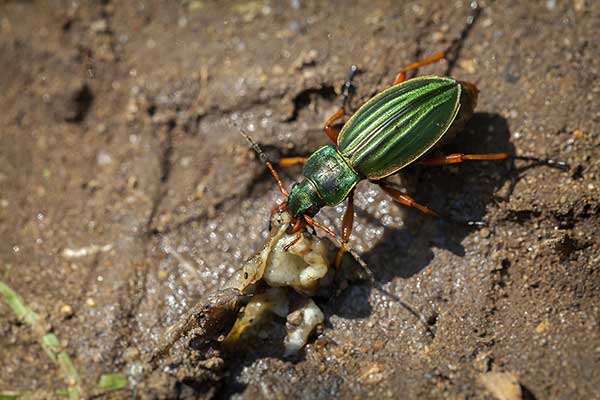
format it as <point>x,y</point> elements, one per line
<point>395,128</point>
<point>389,132</point>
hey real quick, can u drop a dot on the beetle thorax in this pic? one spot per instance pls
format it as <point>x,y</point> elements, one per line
<point>304,199</point>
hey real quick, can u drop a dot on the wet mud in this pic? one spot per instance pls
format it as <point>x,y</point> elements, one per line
<point>127,196</point>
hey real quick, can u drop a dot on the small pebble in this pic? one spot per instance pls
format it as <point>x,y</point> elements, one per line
<point>131,353</point>
<point>90,302</point>
<point>99,26</point>
<point>578,134</point>
<point>66,310</point>
<point>163,275</point>
<point>484,233</point>
<point>373,374</point>
<point>542,326</point>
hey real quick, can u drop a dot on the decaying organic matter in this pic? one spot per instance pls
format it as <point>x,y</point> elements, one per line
<point>261,287</point>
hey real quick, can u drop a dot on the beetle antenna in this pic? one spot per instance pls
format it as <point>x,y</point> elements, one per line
<point>263,157</point>
<point>558,164</point>
<point>261,154</point>
<point>346,91</point>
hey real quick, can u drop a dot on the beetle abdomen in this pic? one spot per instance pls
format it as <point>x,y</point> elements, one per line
<point>399,125</point>
<point>331,174</point>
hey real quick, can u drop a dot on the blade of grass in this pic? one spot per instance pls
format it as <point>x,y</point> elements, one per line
<point>49,341</point>
<point>109,382</point>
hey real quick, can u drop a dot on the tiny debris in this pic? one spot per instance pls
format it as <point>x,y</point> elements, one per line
<point>373,374</point>
<point>468,65</point>
<point>195,5</point>
<point>483,361</point>
<point>163,275</point>
<point>579,6</point>
<point>543,326</point>
<point>578,134</point>
<point>86,251</point>
<point>99,26</point>
<point>502,385</point>
<point>306,59</point>
<point>66,311</point>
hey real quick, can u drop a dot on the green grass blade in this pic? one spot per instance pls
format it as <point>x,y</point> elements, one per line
<point>116,381</point>
<point>49,341</point>
<point>15,302</point>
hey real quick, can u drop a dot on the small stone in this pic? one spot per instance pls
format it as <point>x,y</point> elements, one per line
<point>373,374</point>
<point>306,59</point>
<point>579,5</point>
<point>162,275</point>
<point>131,353</point>
<point>578,134</point>
<point>484,233</point>
<point>132,182</point>
<point>502,385</point>
<point>378,345</point>
<point>99,26</point>
<point>438,37</point>
<point>468,65</point>
<point>278,70</point>
<point>66,310</point>
<point>483,361</point>
<point>543,326</point>
<point>90,302</point>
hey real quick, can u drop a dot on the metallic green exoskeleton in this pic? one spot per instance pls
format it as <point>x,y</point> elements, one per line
<point>389,132</point>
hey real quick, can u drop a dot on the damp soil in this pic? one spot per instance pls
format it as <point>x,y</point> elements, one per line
<point>127,194</point>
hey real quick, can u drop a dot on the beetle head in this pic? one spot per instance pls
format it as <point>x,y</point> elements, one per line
<point>304,199</point>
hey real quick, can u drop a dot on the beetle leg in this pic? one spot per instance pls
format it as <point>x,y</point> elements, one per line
<point>293,241</point>
<point>297,229</point>
<point>286,162</point>
<point>459,157</point>
<point>408,201</point>
<point>315,224</point>
<point>298,225</point>
<point>401,76</point>
<point>347,222</point>
<point>330,131</point>
<point>453,49</point>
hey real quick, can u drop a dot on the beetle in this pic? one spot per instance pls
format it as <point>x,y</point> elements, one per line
<point>392,130</point>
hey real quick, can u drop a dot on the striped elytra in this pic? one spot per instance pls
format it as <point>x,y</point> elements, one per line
<point>399,125</point>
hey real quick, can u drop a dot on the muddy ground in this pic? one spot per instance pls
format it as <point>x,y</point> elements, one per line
<point>126,194</point>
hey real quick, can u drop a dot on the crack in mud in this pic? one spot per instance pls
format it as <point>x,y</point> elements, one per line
<point>165,172</point>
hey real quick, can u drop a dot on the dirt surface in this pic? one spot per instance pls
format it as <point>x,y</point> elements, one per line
<point>127,195</point>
